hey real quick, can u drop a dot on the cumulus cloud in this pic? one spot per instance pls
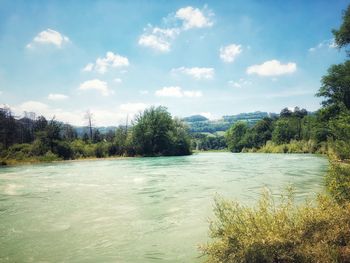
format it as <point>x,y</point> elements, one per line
<point>111,60</point>
<point>328,44</point>
<point>96,84</point>
<point>50,37</point>
<point>193,18</point>
<point>160,38</point>
<point>197,73</point>
<point>230,52</point>
<point>56,96</point>
<point>272,68</point>
<point>177,92</point>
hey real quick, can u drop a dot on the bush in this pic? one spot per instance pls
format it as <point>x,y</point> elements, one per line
<point>338,181</point>
<point>64,150</point>
<point>101,150</point>
<point>49,157</point>
<point>286,232</point>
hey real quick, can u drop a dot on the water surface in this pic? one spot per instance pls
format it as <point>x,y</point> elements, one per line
<point>137,209</point>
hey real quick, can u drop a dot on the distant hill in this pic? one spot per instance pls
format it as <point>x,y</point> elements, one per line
<point>195,118</point>
<point>201,124</point>
<point>198,123</point>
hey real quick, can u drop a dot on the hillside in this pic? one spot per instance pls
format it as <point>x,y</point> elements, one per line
<point>198,123</point>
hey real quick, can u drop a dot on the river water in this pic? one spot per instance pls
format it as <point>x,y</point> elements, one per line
<point>137,209</point>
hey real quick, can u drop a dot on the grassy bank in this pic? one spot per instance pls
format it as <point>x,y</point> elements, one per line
<point>316,231</point>
<point>294,146</point>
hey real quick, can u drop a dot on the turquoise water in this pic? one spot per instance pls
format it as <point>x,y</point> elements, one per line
<point>137,209</point>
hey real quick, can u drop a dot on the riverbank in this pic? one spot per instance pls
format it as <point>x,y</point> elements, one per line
<point>12,162</point>
<point>284,231</point>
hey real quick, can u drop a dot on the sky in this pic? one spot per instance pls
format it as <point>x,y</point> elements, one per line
<point>116,58</point>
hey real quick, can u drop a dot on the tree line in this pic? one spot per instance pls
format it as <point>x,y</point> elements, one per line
<point>153,133</point>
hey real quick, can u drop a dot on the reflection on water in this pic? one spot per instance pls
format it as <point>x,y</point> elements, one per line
<point>134,210</point>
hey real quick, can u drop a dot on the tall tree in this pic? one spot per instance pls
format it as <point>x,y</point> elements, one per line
<point>88,118</point>
<point>342,35</point>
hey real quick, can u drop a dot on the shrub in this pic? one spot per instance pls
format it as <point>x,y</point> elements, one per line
<point>338,181</point>
<point>49,157</point>
<point>64,150</point>
<point>100,150</point>
<point>312,232</point>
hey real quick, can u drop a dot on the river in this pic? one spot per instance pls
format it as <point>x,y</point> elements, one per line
<point>136,209</point>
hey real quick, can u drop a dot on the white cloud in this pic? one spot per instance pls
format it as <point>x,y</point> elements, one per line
<point>34,106</point>
<point>169,92</point>
<point>192,93</point>
<point>177,92</point>
<point>0,92</point>
<point>272,68</point>
<point>329,44</point>
<point>133,107</point>
<point>160,38</point>
<point>118,80</point>
<point>111,60</point>
<point>96,84</point>
<point>56,96</point>
<point>230,52</point>
<point>154,42</point>
<point>240,83</point>
<point>49,36</point>
<point>197,73</point>
<point>193,18</point>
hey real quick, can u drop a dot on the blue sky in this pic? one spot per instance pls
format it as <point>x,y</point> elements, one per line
<point>61,58</point>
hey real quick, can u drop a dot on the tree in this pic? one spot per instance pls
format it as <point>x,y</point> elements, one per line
<point>96,137</point>
<point>8,128</point>
<point>88,118</point>
<point>342,35</point>
<point>286,113</point>
<point>156,133</point>
<point>284,131</point>
<point>235,135</point>
<point>262,131</point>
<point>336,86</point>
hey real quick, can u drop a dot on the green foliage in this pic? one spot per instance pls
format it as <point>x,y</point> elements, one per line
<point>205,142</point>
<point>342,35</point>
<point>335,86</point>
<point>156,133</point>
<point>101,150</point>
<point>64,150</point>
<point>285,129</point>
<point>338,181</point>
<point>284,232</point>
<point>235,136</point>
<point>294,146</point>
